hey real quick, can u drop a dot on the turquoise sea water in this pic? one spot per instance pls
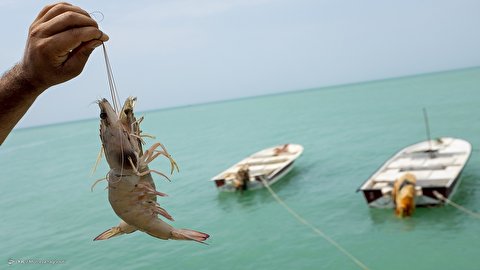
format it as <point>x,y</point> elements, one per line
<point>49,213</point>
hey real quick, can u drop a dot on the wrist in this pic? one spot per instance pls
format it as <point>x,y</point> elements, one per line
<point>25,85</point>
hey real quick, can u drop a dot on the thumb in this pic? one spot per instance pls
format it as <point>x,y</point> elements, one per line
<point>78,60</point>
<point>84,52</point>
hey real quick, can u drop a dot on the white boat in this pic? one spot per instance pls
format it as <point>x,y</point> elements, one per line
<point>270,164</point>
<point>436,164</point>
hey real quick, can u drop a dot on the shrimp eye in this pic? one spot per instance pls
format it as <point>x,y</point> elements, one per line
<point>103,115</point>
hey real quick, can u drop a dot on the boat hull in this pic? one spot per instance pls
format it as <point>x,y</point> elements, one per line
<point>438,170</point>
<point>375,198</point>
<point>267,165</point>
<point>253,185</point>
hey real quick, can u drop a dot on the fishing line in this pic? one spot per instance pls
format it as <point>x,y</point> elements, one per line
<point>115,99</point>
<point>93,14</point>
<point>311,226</point>
<point>459,207</point>
<point>111,81</point>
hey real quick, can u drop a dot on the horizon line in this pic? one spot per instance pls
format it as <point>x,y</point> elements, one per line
<point>287,92</point>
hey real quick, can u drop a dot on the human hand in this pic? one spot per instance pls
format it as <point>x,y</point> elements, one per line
<point>60,40</point>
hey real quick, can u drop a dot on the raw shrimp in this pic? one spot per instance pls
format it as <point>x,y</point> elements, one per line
<point>131,189</point>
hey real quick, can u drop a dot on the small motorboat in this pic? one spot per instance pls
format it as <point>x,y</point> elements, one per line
<point>436,164</point>
<point>268,165</point>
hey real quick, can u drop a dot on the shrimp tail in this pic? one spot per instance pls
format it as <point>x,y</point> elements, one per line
<point>186,234</point>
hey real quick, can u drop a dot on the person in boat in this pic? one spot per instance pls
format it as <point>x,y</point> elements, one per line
<point>60,41</point>
<point>242,178</point>
<point>279,150</point>
<point>403,195</point>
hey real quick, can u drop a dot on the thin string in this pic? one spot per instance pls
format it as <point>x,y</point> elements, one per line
<point>111,81</point>
<point>316,230</point>
<point>94,14</point>
<point>115,98</point>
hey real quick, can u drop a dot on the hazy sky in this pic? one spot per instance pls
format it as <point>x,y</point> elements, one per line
<point>179,52</point>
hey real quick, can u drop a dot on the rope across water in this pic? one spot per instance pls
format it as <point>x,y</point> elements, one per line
<point>459,207</point>
<point>312,227</point>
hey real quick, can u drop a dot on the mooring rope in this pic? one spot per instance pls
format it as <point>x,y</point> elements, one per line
<point>459,207</point>
<point>311,226</point>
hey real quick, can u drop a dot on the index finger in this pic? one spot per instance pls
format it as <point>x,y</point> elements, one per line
<point>59,9</point>
<point>63,22</point>
<point>70,39</point>
<point>47,8</point>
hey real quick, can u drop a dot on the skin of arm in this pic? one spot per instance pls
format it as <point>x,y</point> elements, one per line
<point>60,40</point>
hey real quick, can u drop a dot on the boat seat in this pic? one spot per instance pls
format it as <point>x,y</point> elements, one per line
<point>432,175</point>
<point>423,168</point>
<point>264,161</point>
<point>438,163</point>
<point>267,155</point>
<point>432,183</point>
<point>260,168</point>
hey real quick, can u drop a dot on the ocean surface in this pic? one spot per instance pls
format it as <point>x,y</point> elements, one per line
<point>49,214</point>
